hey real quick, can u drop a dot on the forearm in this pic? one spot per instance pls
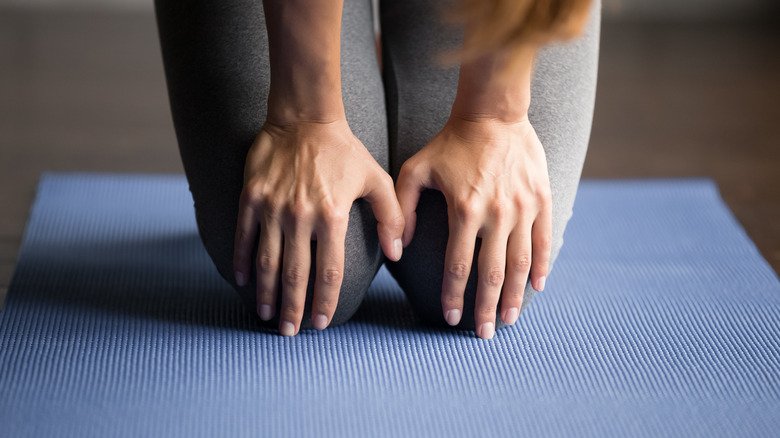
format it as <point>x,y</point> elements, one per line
<point>304,47</point>
<point>501,41</point>
<point>492,87</point>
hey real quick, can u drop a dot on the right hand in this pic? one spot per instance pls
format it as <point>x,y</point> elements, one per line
<point>300,181</point>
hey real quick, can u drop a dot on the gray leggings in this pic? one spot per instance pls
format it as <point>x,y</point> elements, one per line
<point>216,64</point>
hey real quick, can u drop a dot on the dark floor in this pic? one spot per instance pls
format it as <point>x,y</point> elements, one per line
<point>85,91</point>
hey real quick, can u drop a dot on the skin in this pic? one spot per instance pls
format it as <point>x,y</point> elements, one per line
<point>306,168</point>
<point>490,165</point>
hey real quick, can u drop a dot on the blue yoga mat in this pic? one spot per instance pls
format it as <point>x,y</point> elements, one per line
<point>660,318</point>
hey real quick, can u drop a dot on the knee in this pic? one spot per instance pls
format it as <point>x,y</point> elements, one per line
<point>420,272</point>
<point>362,259</point>
<point>217,231</point>
<point>421,279</point>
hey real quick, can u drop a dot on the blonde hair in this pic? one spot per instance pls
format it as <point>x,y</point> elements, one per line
<point>515,26</point>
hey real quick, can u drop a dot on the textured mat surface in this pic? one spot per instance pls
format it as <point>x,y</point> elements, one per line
<point>660,318</point>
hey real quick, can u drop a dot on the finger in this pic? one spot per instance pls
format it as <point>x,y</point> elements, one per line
<point>246,232</point>
<point>518,265</point>
<point>411,180</point>
<point>269,255</point>
<point>295,276</point>
<point>490,279</point>
<point>457,264</point>
<point>390,219</point>
<point>331,236</point>
<point>541,236</point>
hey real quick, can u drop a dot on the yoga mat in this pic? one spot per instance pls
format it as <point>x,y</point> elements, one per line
<point>660,318</point>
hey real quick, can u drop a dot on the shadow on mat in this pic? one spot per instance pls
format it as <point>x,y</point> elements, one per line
<point>169,278</point>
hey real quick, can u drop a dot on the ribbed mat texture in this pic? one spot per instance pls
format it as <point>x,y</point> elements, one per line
<point>660,318</point>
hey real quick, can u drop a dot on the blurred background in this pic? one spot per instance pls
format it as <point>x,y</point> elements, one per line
<point>686,89</point>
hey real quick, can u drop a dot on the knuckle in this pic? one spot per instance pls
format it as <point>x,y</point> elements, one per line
<point>494,277</point>
<point>487,311</point>
<point>522,263</point>
<point>331,276</point>
<point>544,242</point>
<point>451,300</point>
<point>541,264</point>
<point>244,235</point>
<point>252,194</point>
<point>266,263</point>
<point>397,222</point>
<point>519,201</point>
<point>266,294</point>
<point>386,180</point>
<point>467,209</point>
<point>497,208</point>
<point>407,169</point>
<point>327,304</point>
<point>299,211</point>
<point>293,276</point>
<point>514,294</point>
<point>543,195</point>
<point>272,206</point>
<point>292,309</point>
<point>458,270</point>
<point>333,216</point>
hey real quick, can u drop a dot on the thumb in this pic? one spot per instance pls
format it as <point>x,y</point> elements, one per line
<point>390,219</point>
<point>411,180</point>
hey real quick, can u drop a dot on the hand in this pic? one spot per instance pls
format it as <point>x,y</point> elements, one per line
<point>300,181</point>
<point>493,175</point>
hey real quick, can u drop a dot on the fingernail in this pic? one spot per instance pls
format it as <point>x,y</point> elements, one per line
<point>398,248</point>
<point>320,322</point>
<point>452,317</point>
<point>540,283</point>
<point>240,278</point>
<point>266,313</point>
<point>486,330</point>
<point>510,316</point>
<point>287,329</point>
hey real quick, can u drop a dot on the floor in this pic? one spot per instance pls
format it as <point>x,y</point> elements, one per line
<point>85,91</point>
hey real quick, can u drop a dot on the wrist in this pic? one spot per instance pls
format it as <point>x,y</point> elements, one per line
<point>496,86</point>
<point>482,131</point>
<point>292,104</point>
<point>307,91</point>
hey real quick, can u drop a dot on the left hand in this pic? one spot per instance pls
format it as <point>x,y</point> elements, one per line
<point>493,175</point>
